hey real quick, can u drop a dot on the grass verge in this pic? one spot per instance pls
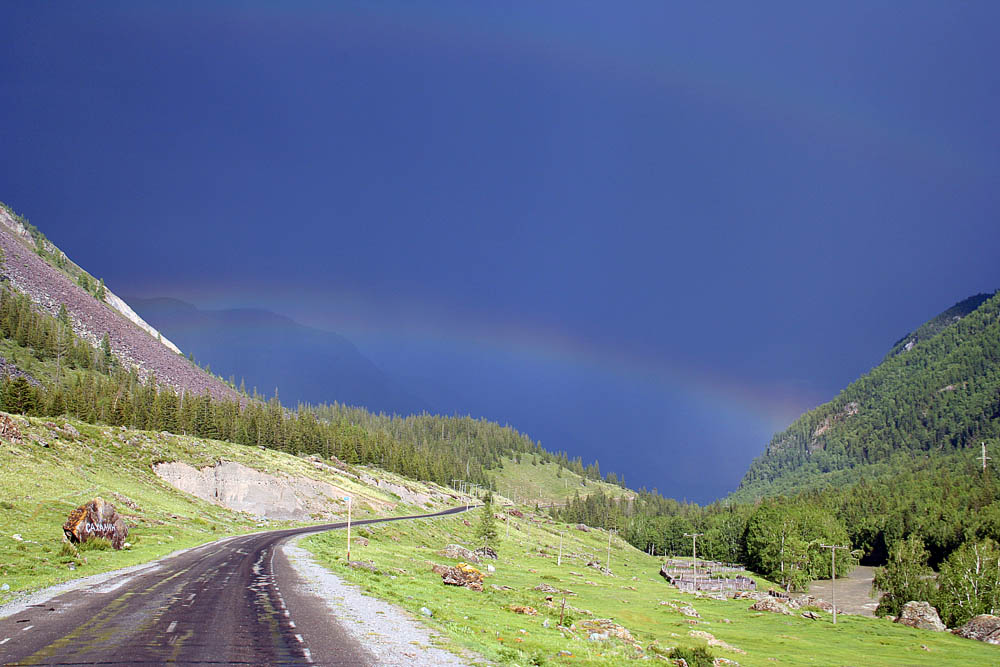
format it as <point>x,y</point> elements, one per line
<point>635,598</point>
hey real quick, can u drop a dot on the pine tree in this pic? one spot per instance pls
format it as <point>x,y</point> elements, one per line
<point>487,528</point>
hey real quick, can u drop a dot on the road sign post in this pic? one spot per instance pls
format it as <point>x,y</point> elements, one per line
<point>348,499</point>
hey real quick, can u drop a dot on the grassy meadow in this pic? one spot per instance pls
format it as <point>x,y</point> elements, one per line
<point>635,597</point>
<point>546,483</point>
<point>47,473</point>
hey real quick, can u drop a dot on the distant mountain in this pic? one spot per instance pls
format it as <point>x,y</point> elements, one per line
<point>938,391</point>
<point>268,351</point>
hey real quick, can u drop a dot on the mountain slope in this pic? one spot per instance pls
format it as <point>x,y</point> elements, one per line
<point>268,350</point>
<point>939,395</point>
<point>936,325</point>
<point>133,342</point>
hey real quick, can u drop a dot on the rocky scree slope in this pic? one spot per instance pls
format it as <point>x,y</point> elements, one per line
<point>934,397</point>
<point>133,345</point>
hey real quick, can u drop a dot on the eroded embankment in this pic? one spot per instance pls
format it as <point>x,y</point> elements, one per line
<point>245,489</point>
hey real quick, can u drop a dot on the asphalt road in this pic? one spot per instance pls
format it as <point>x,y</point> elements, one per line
<point>229,602</point>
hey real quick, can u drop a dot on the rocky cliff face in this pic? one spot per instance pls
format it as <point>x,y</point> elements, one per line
<point>133,342</point>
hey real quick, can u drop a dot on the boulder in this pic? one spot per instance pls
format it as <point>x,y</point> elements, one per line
<point>439,569</point>
<point>464,575</point>
<point>582,527</point>
<point>607,627</point>
<point>361,541</point>
<point>921,615</point>
<point>459,552</point>
<point>770,604</point>
<point>812,601</point>
<point>984,628</point>
<point>96,519</point>
<point>9,429</point>
<point>523,609</point>
<point>486,552</point>
<point>546,588</point>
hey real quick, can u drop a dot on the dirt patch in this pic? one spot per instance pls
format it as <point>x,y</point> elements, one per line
<point>851,592</point>
<point>267,496</point>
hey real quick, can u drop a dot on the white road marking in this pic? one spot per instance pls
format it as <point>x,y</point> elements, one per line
<point>291,623</point>
<point>170,628</point>
<point>27,628</point>
<point>5,641</point>
<point>191,597</point>
<point>299,637</point>
<point>308,655</point>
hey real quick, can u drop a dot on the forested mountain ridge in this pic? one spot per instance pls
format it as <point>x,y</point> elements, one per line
<point>936,325</point>
<point>36,268</point>
<point>937,395</point>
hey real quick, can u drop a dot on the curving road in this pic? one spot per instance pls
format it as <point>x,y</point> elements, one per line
<point>228,602</point>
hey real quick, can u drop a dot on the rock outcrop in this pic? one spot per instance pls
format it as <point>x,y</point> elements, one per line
<point>244,489</point>
<point>921,615</point>
<point>770,604</point>
<point>458,552</point>
<point>984,628</point>
<point>96,519</point>
<point>602,629</point>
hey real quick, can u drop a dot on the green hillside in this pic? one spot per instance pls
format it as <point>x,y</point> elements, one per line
<point>940,396</point>
<point>51,466</point>
<point>531,479</point>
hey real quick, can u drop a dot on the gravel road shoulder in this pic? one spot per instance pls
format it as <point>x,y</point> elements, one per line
<point>390,634</point>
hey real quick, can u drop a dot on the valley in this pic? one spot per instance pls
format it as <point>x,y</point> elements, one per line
<point>187,458</point>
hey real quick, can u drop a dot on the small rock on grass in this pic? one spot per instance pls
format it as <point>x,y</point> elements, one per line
<point>426,612</point>
<point>523,609</point>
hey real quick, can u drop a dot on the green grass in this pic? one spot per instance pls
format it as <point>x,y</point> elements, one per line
<point>546,483</point>
<point>47,474</point>
<point>483,622</point>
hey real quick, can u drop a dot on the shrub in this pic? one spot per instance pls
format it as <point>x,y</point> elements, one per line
<point>698,656</point>
<point>95,544</point>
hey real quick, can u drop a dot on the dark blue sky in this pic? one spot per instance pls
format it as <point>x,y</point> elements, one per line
<point>648,234</point>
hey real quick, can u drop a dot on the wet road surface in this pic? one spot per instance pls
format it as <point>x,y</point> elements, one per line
<point>229,602</point>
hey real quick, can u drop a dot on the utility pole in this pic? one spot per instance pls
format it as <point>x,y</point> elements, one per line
<point>694,552</point>
<point>833,574</point>
<point>985,458</point>
<point>559,560</point>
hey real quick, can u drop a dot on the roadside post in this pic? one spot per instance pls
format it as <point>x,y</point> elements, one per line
<point>348,499</point>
